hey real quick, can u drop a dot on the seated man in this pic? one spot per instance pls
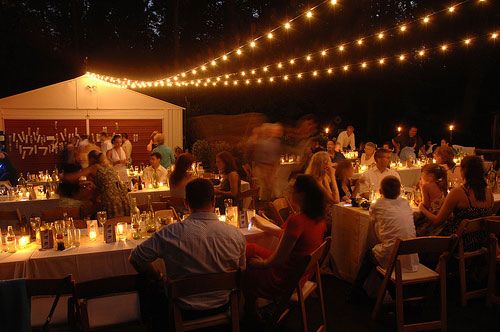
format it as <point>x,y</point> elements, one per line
<point>200,244</point>
<point>392,219</point>
<point>155,167</point>
<point>368,158</point>
<point>370,180</point>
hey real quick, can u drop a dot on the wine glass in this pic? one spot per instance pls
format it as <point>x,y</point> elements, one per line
<point>102,217</point>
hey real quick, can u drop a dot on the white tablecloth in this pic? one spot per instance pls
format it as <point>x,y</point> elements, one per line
<point>409,176</point>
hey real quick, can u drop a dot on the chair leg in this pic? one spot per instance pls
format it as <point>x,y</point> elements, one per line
<point>303,313</point>
<point>491,272</point>
<point>444,315</point>
<point>400,319</point>
<point>235,314</point>
<point>321,299</point>
<point>463,281</point>
<point>380,297</point>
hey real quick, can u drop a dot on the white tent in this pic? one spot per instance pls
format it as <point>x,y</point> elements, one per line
<point>87,98</point>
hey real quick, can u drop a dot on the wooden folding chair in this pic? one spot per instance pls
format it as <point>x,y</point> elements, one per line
<point>58,214</point>
<point>493,227</point>
<point>281,209</point>
<point>7,217</point>
<point>57,288</point>
<point>176,203</point>
<point>122,288</point>
<point>167,213</point>
<point>253,194</point>
<point>431,244</point>
<point>228,281</point>
<point>467,227</point>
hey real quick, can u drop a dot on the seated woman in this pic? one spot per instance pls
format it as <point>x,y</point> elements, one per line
<point>434,188</point>
<point>230,185</point>
<point>343,175</point>
<point>180,176</point>
<point>471,200</point>
<point>301,234</point>
<point>368,157</point>
<point>444,156</point>
<point>110,193</point>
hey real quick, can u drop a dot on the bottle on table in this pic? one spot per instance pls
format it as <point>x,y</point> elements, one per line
<point>21,181</point>
<point>135,215</point>
<point>139,184</point>
<point>10,240</point>
<point>150,219</point>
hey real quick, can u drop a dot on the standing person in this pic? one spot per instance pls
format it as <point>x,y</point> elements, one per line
<point>410,139</point>
<point>167,155</point>
<point>110,193</point>
<point>201,244</point>
<point>7,170</point>
<point>105,142</point>
<point>367,158</point>
<point>152,145</point>
<point>155,169</point>
<point>127,147</point>
<point>118,159</point>
<point>371,179</point>
<point>230,186</point>
<point>347,138</point>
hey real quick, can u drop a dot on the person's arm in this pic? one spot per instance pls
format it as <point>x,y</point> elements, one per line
<point>143,256</point>
<point>266,226</point>
<point>233,178</point>
<point>449,204</point>
<point>74,176</point>
<point>426,196</point>
<point>335,196</point>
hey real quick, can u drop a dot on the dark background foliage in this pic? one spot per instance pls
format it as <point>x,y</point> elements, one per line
<point>44,42</point>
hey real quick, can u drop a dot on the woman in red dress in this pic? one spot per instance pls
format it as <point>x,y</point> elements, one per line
<point>300,235</point>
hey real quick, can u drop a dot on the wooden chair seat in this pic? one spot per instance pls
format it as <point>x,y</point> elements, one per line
<point>423,274</point>
<point>308,288</point>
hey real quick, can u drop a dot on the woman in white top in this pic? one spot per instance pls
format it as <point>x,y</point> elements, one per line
<point>368,158</point>
<point>118,158</point>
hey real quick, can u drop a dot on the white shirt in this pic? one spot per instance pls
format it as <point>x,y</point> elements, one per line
<point>127,147</point>
<point>160,171</point>
<point>373,176</point>
<point>367,162</point>
<point>393,219</point>
<point>200,244</point>
<point>346,140</point>
<point>106,145</point>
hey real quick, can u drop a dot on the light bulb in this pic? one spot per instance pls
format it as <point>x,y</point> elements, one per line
<point>253,71</point>
<point>265,69</point>
<point>285,77</point>
<point>183,74</point>
<point>226,83</point>
<point>426,20</point>
<point>402,57</point>
<point>270,35</point>
<point>467,41</point>
<point>333,2</point>
<point>346,68</point>
<point>235,82</point>
<point>402,28</point>
<point>271,79</point>
<point>451,9</point>
<point>364,65</point>
<point>224,57</point>
<point>243,73</point>
<point>203,68</point>
<point>444,47</point>
<point>247,82</point>
<point>494,35</point>
<point>259,80</point>
<point>253,44</point>
<point>360,41</point>
<point>380,35</point>
<point>309,14</point>
<point>238,51</point>
<point>193,71</point>
<point>421,52</point>
<point>213,63</point>
<point>341,48</point>
<point>292,61</point>
<point>287,25</point>
<point>315,73</point>
<point>226,76</point>
<point>381,61</point>
<point>299,75</point>
<point>329,71</point>
<point>323,53</point>
<point>218,79</point>
<point>308,58</point>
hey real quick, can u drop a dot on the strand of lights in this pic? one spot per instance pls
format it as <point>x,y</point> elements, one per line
<point>342,47</point>
<point>362,65</point>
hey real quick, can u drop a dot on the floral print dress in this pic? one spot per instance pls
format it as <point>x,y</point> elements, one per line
<point>111,193</point>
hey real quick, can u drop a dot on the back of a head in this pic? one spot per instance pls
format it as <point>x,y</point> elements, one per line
<point>94,157</point>
<point>182,165</point>
<point>474,177</point>
<point>229,161</point>
<point>199,194</point>
<point>314,202</point>
<point>446,153</point>
<point>342,168</point>
<point>439,174</point>
<point>390,187</point>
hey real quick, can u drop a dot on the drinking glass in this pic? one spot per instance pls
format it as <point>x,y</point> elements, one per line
<point>102,217</point>
<point>35,223</point>
<point>228,202</point>
<point>76,235</point>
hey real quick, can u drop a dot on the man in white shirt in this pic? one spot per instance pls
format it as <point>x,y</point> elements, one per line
<point>155,167</point>
<point>105,142</point>
<point>371,178</point>
<point>127,146</point>
<point>392,219</point>
<point>347,138</point>
<point>201,244</point>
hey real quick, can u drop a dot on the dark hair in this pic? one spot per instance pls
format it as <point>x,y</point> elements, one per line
<point>313,204</point>
<point>115,137</point>
<point>473,170</point>
<point>390,187</point>
<point>389,144</point>
<point>380,152</point>
<point>156,154</point>
<point>84,136</point>
<point>446,153</point>
<point>182,165</point>
<point>199,193</point>
<point>125,135</point>
<point>342,166</point>
<point>94,157</point>
<point>439,174</point>
<point>229,162</point>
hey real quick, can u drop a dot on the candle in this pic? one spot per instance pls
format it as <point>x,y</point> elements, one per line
<point>23,241</point>
<point>120,231</point>
<point>92,235</point>
<point>160,184</point>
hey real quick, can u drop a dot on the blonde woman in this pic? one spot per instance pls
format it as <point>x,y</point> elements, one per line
<point>320,168</point>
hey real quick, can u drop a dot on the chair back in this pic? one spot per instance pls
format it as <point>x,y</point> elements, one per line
<point>470,226</point>
<point>203,283</point>
<point>492,225</point>
<point>58,214</point>
<point>167,214</point>
<point>282,209</point>
<point>251,193</point>
<point>106,286</point>
<point>318,256</point>
<point>155,205</point>
<point>425,245</point>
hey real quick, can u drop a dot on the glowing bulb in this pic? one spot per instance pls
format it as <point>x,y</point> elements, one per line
<point>259,80</point>
<point>203,68</point>
<point>292,61</point>
<point>218,79</point>
<point>285,77</point>
<point>308,58</point>
<point>235,82</point>
<point>287,25</point>
<point>253,44</point>
<point>224,57</point>
<point>183,74</point>
<point>213,63</point>
<point>209,80</point>
<point>226,83</point>
<point>360,41</point>
<point>238,51</point>
<point>329,71</point>
<point>253,71</point>
<point>193,71</point>
<point>363,65</point>
<point>280,65</point>
<point>421,52</point>
<point>205,84</point>
<point>451,9</point>
<point>270,35</point>
<point>341,48</point>
<point>381,61</point>
<point>247,82</point>
<point>271,79</point>
<point>346,68</point>
<point>156,84</point>
<point>451,127</point>
<point>333,2</point>
<point>214,83</point>
<point>402,28</point>
<point>494,35</point>
<point>323,53</point>
<point>309,14</point>
<point>426,20</point>
<point>226,76</point>
<point>380,35</point>
<point>444,47</point>
<point>467,41</point>
<point>265,69</point>
<point>243,73</point>
<point>402,57</point>
<point>299,75</point>
<point>315,73</point>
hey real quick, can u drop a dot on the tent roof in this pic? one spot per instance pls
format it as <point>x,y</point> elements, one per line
<point>84,92</point>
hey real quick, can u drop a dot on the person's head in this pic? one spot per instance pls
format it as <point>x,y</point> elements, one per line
<point>350,130</point>
<point>97,158</point>
<point>344,170</point>
<point>437,174</point>
<point>225,162</point>
<point>319,163</point>
<point>84,136</point>
<point>103,136</point>
<point>309,197</point>
<point>370,148</point>
<point>330,146</point>
<point>159,139</point>
<point>444,156</point>
<point>124,137</point>
<point>307,125</point>
<point>413,131</point>
<point>155,159</point>
<point>472,170</point>
<point>387,146</point>
<point>338,147</point>
<point>116,141</point>
<point>429,143</point>
<point>178,151</point>
<point>390,187</point>
<point>444,142</point>
<point>382,158</point>
<point>200,195</point>
<point>182,165</point>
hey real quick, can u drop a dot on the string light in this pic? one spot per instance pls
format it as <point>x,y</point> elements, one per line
<point>341,48</point>
<point>315,73</point>
<point>309,14</point>
<point>285,77</point>
<point>203,68</point>
<point>213,63</point>
<point>292,61</point>
<point>280,65</point>
<point>299,75</point>
<point>333,2</point>
<point>402,57</point>
<point>329,71</point>
<point>364,65</point>
<point>360,41</point>
<point>224,57</point>
<point>426,20</point>
<point>421,53</point>
<point>451,9</point>
<point>323,53</point>
<point>270,35</point>
<point>253,44</point>
<point>444,47</point>
<point>381,61</point>
<point>239,51</point>
<point>346,68</point>
<point>287,25</point>
<point>494,35</point>
<point>380,35</point>
<point>253,71</point>
<point>265,69</point>
<point>467,41</point>
<point>309,58</point>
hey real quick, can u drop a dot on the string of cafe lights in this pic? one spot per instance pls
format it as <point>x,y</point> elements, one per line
<point>363,65</point>
<point>342,48</point>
